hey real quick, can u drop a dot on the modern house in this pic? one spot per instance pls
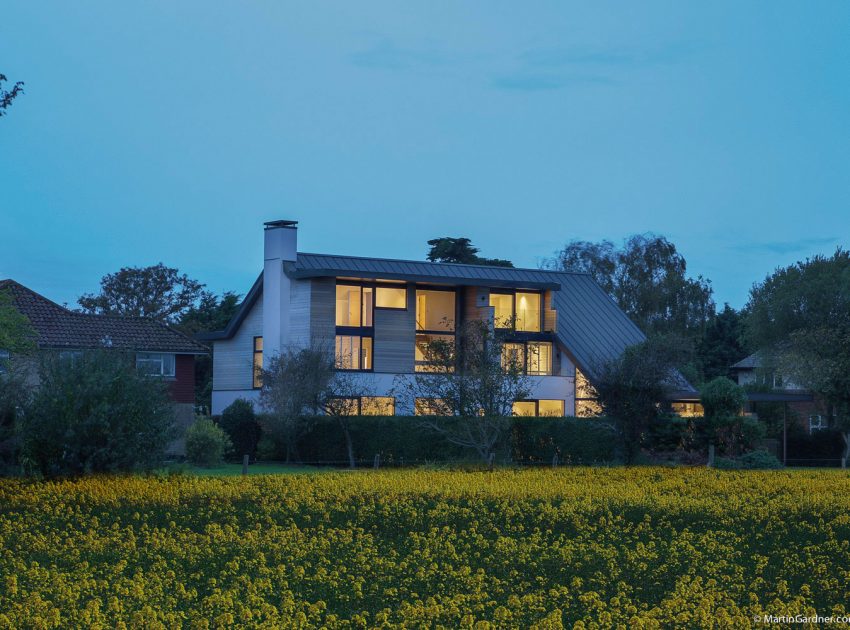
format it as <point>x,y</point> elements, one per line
<point>159,350</point>
<point>378,315</point>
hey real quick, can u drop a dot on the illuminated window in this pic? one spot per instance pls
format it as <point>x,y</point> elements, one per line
<point>434,352</point>
<point>550,408</point>
<point>435,310</point>
<point>687,409</point>
<point>503,309</point>
<point>431,407</point>
<point>348,305</point>
<point>528,312</point>
<point>539,358</point>
<point>525,408</point>
<point>391,297</point>
<point>368,307</point>
<point>377,406</point>
<point>353,352</point>
<point>343,406</point>
<point>513,356</point>
<point>258,363</point>
<point>587,400</point>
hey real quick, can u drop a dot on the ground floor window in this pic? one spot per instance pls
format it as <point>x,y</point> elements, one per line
<point>363,406</point>
<point>817,423</point>
<point>687,409</point>
<point>155,363</point>
<point>587,400</point>
<point>431,407</point>
<point>353,352</point>
<point>542,407</point>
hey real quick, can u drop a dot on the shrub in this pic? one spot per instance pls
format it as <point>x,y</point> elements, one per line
<point>240,423</point>
<point>575,440</point>
<point>206,443</point>
<point>267,449</point>
<point>754,460</point>
<point>722,398</point>
<point>95,413</point>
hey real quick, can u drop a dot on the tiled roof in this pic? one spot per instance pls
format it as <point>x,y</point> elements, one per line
<point>58,327</point>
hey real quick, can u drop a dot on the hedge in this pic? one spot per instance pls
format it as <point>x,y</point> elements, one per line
<point>401,440</point>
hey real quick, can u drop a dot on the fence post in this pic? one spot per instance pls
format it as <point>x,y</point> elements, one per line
<point>711,455</point>
<point>377,463</point>
<point>555,461</point>
<point>245,464</point>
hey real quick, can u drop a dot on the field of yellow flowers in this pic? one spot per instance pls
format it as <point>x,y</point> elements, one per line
<point>582,547</point>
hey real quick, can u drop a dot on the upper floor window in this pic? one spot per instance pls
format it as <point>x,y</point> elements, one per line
<point>257,363</point>
<point>353,352</point>
<point>354,305</point>
<point>435,310</point>
<point>155,363</point>
<point>519,310</point>
<point>391,297</point>
<point>533,357</point>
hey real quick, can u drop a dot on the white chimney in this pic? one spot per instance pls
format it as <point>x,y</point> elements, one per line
<point>280,245</point>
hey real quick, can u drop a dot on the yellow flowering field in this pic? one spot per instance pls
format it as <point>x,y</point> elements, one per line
<point>578,547</point>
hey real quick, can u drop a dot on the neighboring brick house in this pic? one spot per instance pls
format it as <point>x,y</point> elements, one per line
<point>159,349</point>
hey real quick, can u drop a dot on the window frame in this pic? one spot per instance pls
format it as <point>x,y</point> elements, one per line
<point>257,379</point>
<point>384,285</point>
<point>456,317</point>
<point>513,319</point>
<point>526,355</point>
<point>537,402</point>
<point>360,356</point>
<point>162,373</point>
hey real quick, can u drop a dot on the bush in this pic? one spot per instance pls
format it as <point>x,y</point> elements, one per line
<point>267,449</point>
<point>240,423</point>
<point>95,413</point>
<point>722,398</point>
<point>575,440</point>
<point>206,443</point>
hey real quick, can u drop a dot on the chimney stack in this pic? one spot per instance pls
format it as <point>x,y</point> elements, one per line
<point>280,245</point>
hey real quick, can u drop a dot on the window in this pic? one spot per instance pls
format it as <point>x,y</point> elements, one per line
<point>377,406</point>
<point>520,310</point>
<point>687,409</point>
<point>513,356</point>
<point>433,352</point>
<point>431,407</point>
<point>435,310</point>
<point>391,297</point>
<point>503,309</point>
<point>155,363</point>
<point>353,352</point>
<point>531,408</point>
<point>817,423</point>
<point>257,364</point>
<point>539,358</point>
<point>368,307</point>
<point>533,357</point>
<point>348,305</point>
<point>344,406</point>
<point>588,409</point>
<point>528,312</point>
<point>587,400</point>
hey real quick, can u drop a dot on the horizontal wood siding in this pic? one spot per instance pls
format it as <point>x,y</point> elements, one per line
<point>182,388</point>
<point>299,313</point>
<point>395,336</point>
<point>323,313</point>
<point>233,358</point>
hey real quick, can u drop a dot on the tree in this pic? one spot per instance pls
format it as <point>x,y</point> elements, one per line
<point>239,421</point>
<point>471,380</point>
<point>7,96</point>
<point>722,345</point>
<point>340,402</point>
<point>633,389</point>
<point>647,278</point>
<point>460,250</point>
<point>723,400</point>
<point>799,320</point>
<point>16,333</point>
<point>295,388</point>
<point>157,292</point>
<point>95,413</point>
<point>211,313</point>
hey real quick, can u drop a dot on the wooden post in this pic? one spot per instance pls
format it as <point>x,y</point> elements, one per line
<point>245,459</point>
<point>711,455</point>
<point>377,463</point>
<point>555,461</point>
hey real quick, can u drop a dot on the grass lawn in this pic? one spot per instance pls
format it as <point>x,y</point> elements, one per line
<point>260,468</point>
<point>572,547</point>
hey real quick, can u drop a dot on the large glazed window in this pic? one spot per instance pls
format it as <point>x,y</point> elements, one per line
<point>503,309</point>
<point>513,356</point>
<point>434,353</point>
<point>391,297</point>
<point>528,312</point>
<point>353,352</point>
<point>435,310</point>
<point>539,358</point>
<point>348,305</point>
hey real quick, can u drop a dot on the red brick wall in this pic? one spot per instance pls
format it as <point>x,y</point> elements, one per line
<point>183,385</point>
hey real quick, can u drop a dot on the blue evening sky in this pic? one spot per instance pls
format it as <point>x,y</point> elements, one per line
<point>169,131</point>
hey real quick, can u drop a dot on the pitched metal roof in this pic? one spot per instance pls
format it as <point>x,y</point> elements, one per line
<point>57,327</point>
<point>591,326</point>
